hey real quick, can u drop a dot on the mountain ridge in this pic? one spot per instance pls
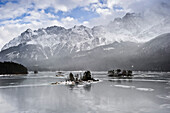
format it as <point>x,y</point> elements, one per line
<point>131,27</point>
<point>73,47</point>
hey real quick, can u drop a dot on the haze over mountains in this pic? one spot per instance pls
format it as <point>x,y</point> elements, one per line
<point>131,42</point>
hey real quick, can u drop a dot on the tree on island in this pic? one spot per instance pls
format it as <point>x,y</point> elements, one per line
<point>71,77</point>
<point>118,71</point>
<point>86,77</point>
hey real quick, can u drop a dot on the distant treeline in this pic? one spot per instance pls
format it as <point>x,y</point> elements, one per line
<point>12,68</point>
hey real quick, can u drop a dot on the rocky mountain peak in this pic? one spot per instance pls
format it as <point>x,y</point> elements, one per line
<point>27,33</point>
<point>28,30</point>
<point>132,15</point>
<point>132,27</point>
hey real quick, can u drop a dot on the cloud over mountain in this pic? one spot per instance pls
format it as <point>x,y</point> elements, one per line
<point>18,15</point>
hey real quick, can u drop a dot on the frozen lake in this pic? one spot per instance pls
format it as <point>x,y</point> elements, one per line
<point>147,92</point>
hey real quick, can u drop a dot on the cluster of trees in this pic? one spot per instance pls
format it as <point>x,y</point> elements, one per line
<point>12,68</point>
<point>78,78</point>
<point>120,72</point>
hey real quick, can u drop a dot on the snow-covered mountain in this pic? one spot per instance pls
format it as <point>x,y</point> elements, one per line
<point>132,27</point>
<point>154,54</point>
<point>65,45</point>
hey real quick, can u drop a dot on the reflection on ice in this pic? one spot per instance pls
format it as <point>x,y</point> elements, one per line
<point>138,80</point>
<point>35,94</point>
<point>86,87</point>
<point>164,97</point>
<point>165,106</point>
<point>19,86</point>
<point>133,87</point>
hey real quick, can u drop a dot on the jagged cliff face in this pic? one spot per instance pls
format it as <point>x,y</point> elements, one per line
<point>132,27</point>
<point>57,43</point>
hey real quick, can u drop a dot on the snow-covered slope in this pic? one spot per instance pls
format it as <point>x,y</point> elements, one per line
<point>62,45</point>
<point>159,45</point>
<point>132,27</point>
<point>76,37</point>
<point>154,54</point>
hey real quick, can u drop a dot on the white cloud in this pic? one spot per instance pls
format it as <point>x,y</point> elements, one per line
<point>69,22</point>
<point>62,5</point>
<point>103,11</point>
<point>85,23</point>
<point>67,19</point>
<point>11,28</point>
<point>10,31</point>
<point>111,3</point>
<point>151,9</point>
<point>6,35</point>
<point>11,10</point>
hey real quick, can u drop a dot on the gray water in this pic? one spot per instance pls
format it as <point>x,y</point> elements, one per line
<point>146,92</point>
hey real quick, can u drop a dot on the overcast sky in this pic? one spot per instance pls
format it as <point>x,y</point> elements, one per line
<point>18,15</point>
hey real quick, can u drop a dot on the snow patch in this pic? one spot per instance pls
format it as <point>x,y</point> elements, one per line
<point>124,86</point>
<point>109,48</point>
<point>145,89</point>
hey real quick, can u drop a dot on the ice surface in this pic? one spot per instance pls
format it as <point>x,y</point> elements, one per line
<point>35,93</point>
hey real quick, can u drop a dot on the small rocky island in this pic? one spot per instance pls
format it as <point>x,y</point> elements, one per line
<point>12,68</point>
<point>78,79</point>
<point>120,73</point>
